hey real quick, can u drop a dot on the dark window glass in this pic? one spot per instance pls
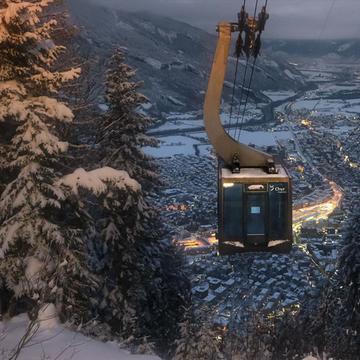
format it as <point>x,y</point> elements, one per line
<point>232,220</point>
<point>278,221</point>
<point>255,213</point>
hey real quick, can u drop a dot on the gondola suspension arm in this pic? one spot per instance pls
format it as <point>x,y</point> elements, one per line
<point>233,153</point>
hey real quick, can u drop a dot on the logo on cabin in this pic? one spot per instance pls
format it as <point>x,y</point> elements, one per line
<point>278,188</point>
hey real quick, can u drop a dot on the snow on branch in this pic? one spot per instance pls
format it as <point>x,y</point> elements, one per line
<point>12,87</point>
<point>24,12</point>
<point>96,180</point>
<point>54,79</point>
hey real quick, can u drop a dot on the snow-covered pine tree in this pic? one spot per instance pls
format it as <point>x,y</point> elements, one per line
<point>42,253</point>
<point>142,295</point>
<point>197,341</point>
<point>112,199</point>
<point>349,266</point>
<point>123,130</point>
<point>144,274</point>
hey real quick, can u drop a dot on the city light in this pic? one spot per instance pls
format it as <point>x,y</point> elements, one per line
<point>320,211</point>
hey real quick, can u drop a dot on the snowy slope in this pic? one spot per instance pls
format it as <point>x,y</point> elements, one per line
<point>53,341</point>
<point>173,58</point>
<point>344,49</point>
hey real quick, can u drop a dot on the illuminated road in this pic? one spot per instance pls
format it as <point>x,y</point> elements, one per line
<point>319,211</point>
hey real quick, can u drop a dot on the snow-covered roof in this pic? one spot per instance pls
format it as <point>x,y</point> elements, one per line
<point>255,173</point>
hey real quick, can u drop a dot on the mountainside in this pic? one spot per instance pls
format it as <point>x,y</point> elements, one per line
<point>345,49</point>
<point>172,58</point>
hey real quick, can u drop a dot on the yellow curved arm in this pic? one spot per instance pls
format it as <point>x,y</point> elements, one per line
<point>225,146</point>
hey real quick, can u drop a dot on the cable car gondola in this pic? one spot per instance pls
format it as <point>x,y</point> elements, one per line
<point>254,193</point>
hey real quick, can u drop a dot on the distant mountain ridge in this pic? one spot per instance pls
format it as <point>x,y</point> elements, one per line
<point>172,58</point>
<point>346,48</point>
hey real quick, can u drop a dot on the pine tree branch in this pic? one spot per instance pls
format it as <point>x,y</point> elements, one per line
<point>84,146</point>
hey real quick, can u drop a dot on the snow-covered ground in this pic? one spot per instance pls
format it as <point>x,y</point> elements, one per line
<point>318,76</point>
<point>53,341</point>
<point>177,145</point>
<point>190,120</point>
<point>279,95</point>
<point>329,107</point>
<point>184,145</point>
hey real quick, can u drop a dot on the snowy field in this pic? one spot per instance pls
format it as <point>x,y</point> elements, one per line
<point>279,95</point>
<point>184,145</point>
<point>329,107</point>
<point>177,145</point>
<point>190,120</point>
<point>340,130</point>
<point>318,76</point>
<point>54,342</point>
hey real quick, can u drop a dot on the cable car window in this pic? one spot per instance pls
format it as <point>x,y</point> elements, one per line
<point>232,211</point>
<point>278,195</point>
<point>255,213</point>
<point>255,210</point>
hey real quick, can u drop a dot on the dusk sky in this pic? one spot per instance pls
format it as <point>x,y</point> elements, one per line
<point>288,18</point>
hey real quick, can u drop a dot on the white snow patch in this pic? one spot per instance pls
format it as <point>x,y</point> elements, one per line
<point>12,86</point>
<point>173,145</point>
<point>48,317</point>
<point>125,26</point>
<point>277,242</point>
<point>175,101</point>
<point>289,74</point>
<point>279,95</point>
<point>151,28</point>
<point>96,180</point>
<point>33,269</point>
<point>183,145</point>
<point>344,47</point>
<point>329,106</point>
<point>147,106</point>
<point>57,342</point>
<point>235,243</point>
<point>103,107</point>
<point>170,36</point>
<point>156,64</point>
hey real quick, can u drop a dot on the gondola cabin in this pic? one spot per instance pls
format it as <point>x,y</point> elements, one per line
<point>255,211</point>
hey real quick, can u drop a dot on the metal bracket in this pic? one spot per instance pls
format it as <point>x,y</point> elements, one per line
<point>236,164</point>
<point>271,168</point>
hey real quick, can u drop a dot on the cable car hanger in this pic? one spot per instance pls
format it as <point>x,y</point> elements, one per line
<point>229,150</point>
<point>254,193</point>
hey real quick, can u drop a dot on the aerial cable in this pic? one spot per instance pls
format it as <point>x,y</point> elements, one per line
<point>321,32</point>
<point>257,50</point>
<point>238,53</point>
<point>241,96</point>
<point>233,91</point>
<point>247,98</point>
<point>243,83</point>
<point>326,19</point>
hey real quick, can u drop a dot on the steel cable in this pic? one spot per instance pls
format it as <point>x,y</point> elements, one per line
<point>233,92</point>
<point>242,88</point>
<point>241,96</point>
<point>246,100</point>
<point>234,84</point>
